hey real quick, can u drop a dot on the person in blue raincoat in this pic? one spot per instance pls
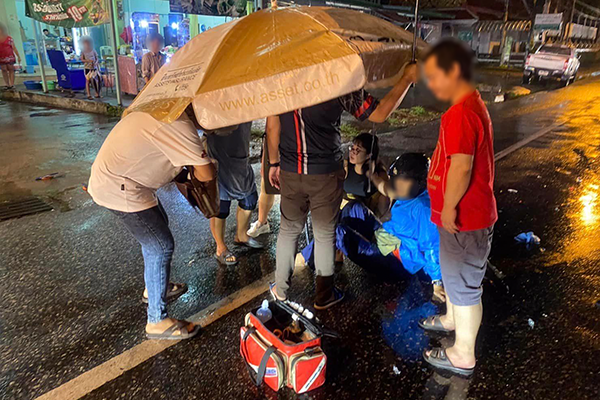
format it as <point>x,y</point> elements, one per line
<point>408,242</point>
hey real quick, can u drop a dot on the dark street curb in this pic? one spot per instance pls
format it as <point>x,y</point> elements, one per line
<point>50,100</point>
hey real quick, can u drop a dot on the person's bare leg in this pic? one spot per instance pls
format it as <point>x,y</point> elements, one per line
<point>243,222</point>
<point>339,256</point>
<point>447,319</point>
<point>217,227</point>
<point>11,75</point>
<point>265,203</point>
<point>468,320</point>
<point>5,75</point>
<point>87,88</point>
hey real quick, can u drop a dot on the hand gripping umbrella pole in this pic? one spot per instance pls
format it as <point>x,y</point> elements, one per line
<point>412,60</point>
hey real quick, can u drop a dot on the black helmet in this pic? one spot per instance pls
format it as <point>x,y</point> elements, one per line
<point>411,166</point>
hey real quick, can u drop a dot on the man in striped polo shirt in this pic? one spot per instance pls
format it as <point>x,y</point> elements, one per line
<point>307,165</point>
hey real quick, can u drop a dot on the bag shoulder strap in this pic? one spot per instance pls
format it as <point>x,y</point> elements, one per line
<point>262,367</point>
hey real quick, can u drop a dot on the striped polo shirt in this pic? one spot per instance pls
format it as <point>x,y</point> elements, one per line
<point>310,141</point>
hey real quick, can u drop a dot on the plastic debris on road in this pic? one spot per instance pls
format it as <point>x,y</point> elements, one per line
<point>48,177</point>
<point>512,191</point>
<point>531,323</point>
<point>396,370</point>
<point>528,238</point>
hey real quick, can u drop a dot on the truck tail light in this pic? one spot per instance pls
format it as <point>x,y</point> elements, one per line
<point>566,65</point>
<point>527,60</point>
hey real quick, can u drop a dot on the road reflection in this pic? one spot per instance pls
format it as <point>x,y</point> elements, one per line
<point>450,387</point>
<point>589,206</point>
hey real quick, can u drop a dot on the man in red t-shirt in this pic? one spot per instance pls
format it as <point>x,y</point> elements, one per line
<point>460,185</point>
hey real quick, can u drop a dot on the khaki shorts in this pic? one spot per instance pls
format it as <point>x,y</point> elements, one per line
<point>463,261</point>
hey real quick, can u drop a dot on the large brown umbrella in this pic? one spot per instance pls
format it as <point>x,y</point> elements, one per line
<point>274,61</point>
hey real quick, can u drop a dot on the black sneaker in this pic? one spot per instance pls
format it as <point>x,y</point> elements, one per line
<point>338,296</point>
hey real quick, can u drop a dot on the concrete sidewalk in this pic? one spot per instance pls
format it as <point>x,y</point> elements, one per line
<point>55,99</point>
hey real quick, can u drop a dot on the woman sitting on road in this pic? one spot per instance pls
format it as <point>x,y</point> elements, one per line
<point>357,188</point>
<point>406,243</point>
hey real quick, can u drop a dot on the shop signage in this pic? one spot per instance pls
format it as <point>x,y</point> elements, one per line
<point>69,13</point>
<point>548,21</point>
<point>229,8</point>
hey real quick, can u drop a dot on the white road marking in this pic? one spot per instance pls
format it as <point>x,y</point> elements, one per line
<point>510,149</point>
<point>116,366</point>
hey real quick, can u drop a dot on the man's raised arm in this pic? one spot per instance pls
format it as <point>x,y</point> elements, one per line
<point>392,100</point>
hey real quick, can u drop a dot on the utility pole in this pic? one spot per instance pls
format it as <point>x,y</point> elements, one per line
<point>570,21</point>
<point>503,41</point>
<point>529,46</point>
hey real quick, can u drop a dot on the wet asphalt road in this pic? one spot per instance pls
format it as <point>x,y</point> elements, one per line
<point>71,280</point>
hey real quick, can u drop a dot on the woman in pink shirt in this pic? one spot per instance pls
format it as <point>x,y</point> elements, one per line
<point>7,58</point>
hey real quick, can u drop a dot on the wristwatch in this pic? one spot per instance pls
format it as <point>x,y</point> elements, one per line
<point>437,282</point>
<point>274,165</point>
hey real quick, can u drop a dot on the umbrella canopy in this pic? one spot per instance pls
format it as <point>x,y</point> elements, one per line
<point>274,61</point>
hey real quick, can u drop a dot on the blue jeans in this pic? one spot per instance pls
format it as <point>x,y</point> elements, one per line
<point>151,228</point>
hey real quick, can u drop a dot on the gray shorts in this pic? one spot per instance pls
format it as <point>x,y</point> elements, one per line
<point>463,260</point>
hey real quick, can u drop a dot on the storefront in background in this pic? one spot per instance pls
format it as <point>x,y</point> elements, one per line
<point>135,14</point>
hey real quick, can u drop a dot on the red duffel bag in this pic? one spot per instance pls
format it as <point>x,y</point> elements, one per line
<point>299,363</point>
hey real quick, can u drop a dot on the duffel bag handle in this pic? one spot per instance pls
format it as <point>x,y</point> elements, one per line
<point>262,368</point>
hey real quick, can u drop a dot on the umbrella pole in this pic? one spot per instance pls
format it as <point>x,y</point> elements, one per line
<point>415,33</point>
<point>413,59</point>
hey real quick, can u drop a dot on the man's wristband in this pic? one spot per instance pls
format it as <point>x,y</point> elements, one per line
<point>437,282</point>
<point>274,165</point>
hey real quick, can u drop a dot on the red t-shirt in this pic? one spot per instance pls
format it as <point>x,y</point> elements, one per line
<point>466,129</point>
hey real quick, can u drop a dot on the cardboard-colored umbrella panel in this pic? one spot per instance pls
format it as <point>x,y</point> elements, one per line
<point>274,61</point>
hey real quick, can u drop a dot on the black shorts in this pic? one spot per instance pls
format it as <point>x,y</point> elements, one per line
<point>248,203</point>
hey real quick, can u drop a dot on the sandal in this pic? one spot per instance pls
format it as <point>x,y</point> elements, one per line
<point>174,291</point>
<point>169,333</point>
<point>226,258</point>
<point>433,324</point>
<point>90,98</point>
<point>437,358</point>
<point>251,243</point>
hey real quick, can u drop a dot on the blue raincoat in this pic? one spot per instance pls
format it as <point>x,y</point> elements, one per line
<point>410,222</point>
<point>420,240</point>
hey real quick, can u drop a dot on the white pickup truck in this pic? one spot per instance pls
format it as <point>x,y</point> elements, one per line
<point>552,62</point>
